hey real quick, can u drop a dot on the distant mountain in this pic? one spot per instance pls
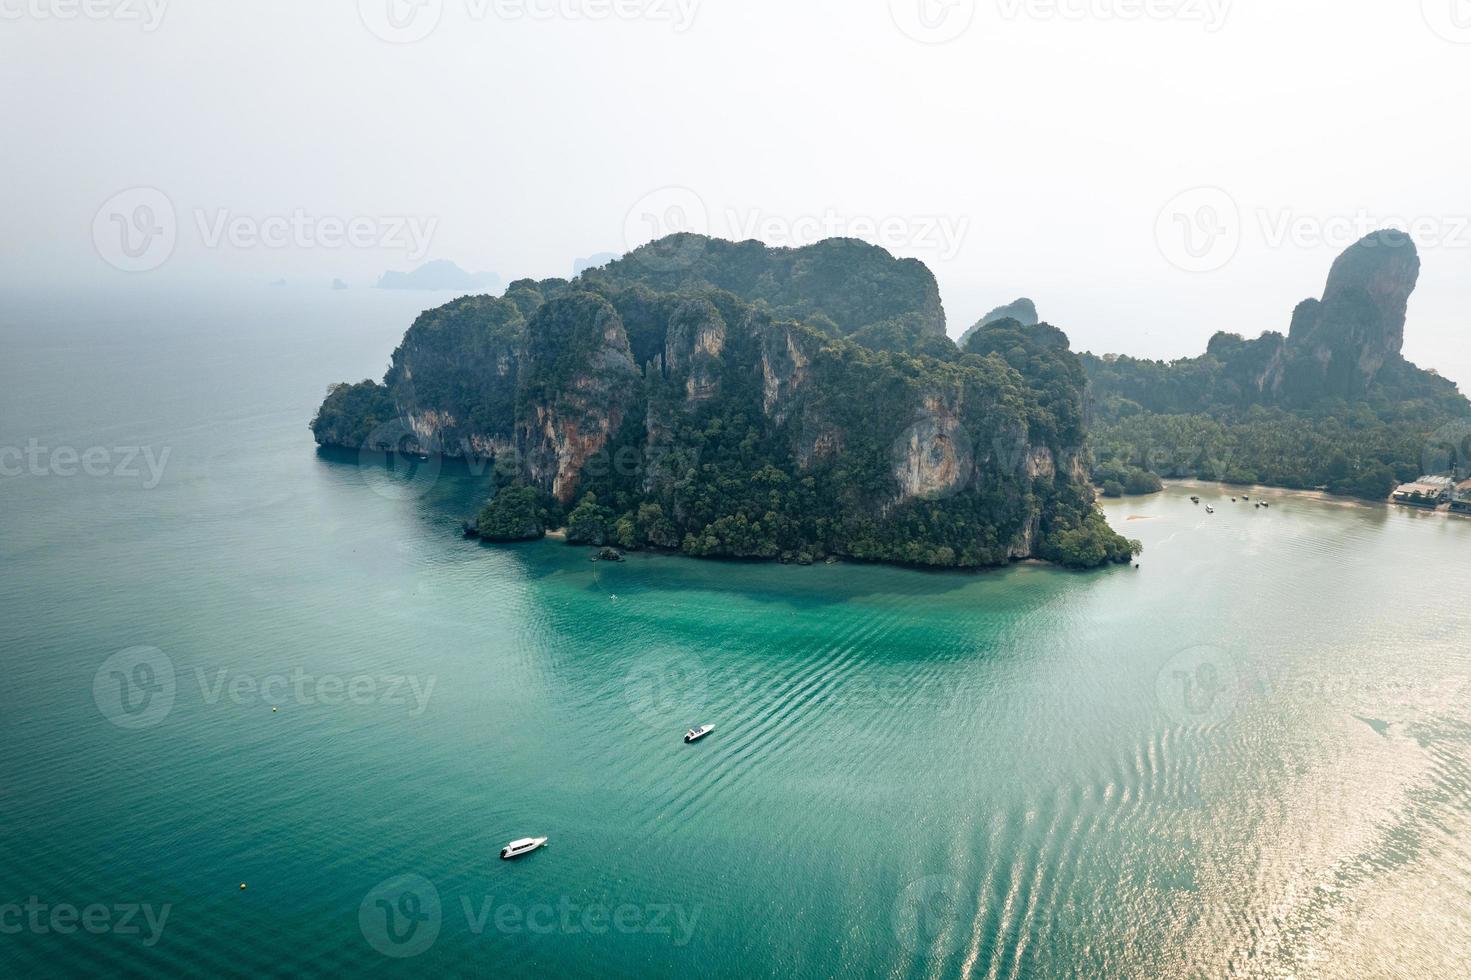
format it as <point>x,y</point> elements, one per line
<point>440,274</point>
<point>711,397</point>
<point>1023,311</point>
<point>592,262</point>
<point>338,284</point>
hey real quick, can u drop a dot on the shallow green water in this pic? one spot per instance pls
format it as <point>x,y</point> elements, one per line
<point>1251,757</point>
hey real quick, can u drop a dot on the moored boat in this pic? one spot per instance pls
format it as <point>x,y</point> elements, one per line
<point>522,847</point>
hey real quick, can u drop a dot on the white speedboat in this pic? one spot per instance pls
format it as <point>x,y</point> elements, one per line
<point>1209,509</point>
<point>695,734</point>
<point>520,848</point>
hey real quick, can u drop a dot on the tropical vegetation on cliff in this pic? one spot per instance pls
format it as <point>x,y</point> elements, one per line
<point>720,399</point>
<point>1333,404</point>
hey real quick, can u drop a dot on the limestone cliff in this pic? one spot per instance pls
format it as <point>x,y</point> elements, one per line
<point>577,383</point>
<point>1341,342</point>
<point>705,419</point>
<point>1339,346</point>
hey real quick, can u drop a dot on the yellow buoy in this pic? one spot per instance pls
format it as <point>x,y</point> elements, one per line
<point>242,886</point>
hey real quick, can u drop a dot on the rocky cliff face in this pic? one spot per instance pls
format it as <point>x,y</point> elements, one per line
<point>1341,342</point>
<point>1338,346</point>
<point>705,419</point>
<point>578,381</point>
<point>453,379</point>
<point>695,342</point>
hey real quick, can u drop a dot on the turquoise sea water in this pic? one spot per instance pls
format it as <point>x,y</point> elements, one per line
<point>1251,757</point>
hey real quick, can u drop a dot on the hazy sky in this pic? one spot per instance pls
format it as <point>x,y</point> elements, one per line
<point>1019,147</point>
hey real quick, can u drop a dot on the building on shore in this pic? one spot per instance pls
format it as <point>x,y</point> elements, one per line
<point>1428,491</point>
<point>1461,498</point>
